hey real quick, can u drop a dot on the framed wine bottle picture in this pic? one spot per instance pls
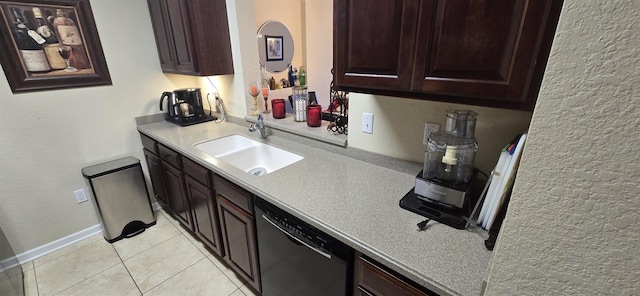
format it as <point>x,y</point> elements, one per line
<point>50,44</point>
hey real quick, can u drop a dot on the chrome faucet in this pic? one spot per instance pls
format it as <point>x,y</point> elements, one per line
<point>259,126</point>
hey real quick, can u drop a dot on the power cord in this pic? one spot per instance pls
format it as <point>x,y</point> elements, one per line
<point>423,225</point>
<point>218,102</point>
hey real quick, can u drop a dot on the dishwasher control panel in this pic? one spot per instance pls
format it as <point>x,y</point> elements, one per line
<point>296,228</point>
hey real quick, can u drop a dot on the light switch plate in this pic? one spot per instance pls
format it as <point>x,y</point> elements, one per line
<point>367,123</point>
<point>428,129</point>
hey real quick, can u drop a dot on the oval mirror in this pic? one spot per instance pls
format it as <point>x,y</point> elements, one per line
<point>275,46</point>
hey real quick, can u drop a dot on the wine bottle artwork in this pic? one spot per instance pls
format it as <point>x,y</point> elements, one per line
<point>51,44</point>
<point>28,44</point>
<point>65,53</point>
<point>69,34</point>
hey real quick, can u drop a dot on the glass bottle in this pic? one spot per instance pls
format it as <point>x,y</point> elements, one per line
<point>52,43</point>
<point>28,43</point>
<point>292,78</point>
<point>303,76</point>
<point>69,34</point>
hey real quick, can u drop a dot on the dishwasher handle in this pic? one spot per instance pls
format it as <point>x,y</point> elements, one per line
<point>321,252</point>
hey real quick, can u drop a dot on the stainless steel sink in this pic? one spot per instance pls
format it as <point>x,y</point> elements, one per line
<point>248,155</point>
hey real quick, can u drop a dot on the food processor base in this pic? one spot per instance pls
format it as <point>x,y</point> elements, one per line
<point>452,217</point>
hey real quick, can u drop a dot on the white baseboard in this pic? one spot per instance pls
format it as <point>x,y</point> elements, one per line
<point>156,206</point>
<point>58,244</point>
<point>63,242</point>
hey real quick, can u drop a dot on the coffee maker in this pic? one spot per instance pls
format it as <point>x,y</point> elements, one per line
<point>449,184</point>
<point>184,107</point>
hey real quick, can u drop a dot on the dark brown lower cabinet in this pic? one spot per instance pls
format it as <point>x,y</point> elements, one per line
<point>155,173</point>
<point>372,278</point>
<point>203,210</point>
<point>174,184</point>
<point>237,224</point>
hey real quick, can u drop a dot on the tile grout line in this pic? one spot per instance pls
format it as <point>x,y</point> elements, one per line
<point>159,243</point>
<point>60,255</point>
<point>48,262</point>
<point>35,276</point>
<point>224,273</point>
<point>127,269</point>
<point>84,280</point>
<point>206,256</point>
<point>179,272</point>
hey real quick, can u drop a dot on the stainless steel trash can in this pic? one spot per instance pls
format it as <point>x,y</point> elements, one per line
<point>122,197</point>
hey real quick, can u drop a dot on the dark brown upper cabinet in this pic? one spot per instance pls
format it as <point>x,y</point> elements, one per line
<point>482,52</point>
<point>192,36</point>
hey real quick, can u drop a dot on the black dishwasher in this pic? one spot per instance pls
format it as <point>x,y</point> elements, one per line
<point>297,258</point>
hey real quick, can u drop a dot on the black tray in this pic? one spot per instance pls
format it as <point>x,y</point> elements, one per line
<point>190,120</point>
<point>451,217</point>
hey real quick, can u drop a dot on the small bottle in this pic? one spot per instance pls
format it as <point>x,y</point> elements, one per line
<point>69,34</point>
<point>291,77</point>
<point>296,77</point>
<point>303,76</point>
<point>28,45</point>
<point>272,83</point>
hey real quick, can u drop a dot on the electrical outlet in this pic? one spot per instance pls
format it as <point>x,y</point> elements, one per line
<point>428,129</point>
<point>367,123</point>
<point>81,195</point>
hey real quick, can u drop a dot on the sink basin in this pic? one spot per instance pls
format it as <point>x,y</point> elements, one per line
<point>248,155</point>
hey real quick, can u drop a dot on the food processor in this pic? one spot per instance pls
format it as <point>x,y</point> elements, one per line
<point>448,161</point>
<point>447,185</point>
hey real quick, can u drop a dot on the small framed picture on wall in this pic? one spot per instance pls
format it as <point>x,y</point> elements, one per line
<point>274,48</point>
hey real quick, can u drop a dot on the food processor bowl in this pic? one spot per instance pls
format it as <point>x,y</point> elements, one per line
<point>449,159</point>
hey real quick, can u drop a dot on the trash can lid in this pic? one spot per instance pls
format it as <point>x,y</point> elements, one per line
<point>110,167</point>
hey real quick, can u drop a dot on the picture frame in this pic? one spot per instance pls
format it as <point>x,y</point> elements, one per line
<point>274,47</point>
<point>55,61</point>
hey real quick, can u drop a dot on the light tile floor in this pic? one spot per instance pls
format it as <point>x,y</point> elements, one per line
<point>163,260</point>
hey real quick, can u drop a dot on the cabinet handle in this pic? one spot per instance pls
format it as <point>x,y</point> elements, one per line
<point>323,253</point>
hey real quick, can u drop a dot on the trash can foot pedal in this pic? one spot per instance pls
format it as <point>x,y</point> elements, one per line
<point>132,229</point>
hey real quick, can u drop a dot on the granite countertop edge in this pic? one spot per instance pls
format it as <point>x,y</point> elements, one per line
<point>442,259</point>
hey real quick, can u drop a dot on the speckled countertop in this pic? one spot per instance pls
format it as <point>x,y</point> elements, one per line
<point>352,200</point>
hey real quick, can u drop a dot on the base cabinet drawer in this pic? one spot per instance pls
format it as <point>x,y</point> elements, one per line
<point>374,280</point>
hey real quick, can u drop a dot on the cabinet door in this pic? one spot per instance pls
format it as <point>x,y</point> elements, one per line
<point>192,36</point>
<point>238,233</point>
<point>484,49</point>
<point>174,184</point>
<point>373,43</point>
<point>203,210</point>
<point>181,29</point>
<point>155,173</point>
<point>162,31</point>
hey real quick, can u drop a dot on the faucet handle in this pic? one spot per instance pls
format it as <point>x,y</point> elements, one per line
<point>260,119</point>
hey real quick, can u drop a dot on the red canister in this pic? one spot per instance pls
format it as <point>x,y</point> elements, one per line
<point>277,106</point>
<point>314,115</point>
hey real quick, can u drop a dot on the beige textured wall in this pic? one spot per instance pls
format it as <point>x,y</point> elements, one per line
<point>572,225</point>
<point>49,136</point>
<point>319,41</point>
<point>398,127</point>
